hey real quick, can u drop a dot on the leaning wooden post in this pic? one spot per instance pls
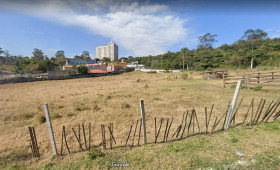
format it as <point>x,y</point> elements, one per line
<point>143,120</point>
<point>49,123</point>
<point>233,103</point>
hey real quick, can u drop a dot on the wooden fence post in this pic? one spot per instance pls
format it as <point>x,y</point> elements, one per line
<point>143,120</point>
<point>248,81</point>
<point>49,123</point>
<point>233,103</point>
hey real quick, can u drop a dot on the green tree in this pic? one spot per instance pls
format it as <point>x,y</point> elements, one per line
<point>82,69</point>
<point>105,59</point>
<point>250,35</point>
<point>206,41</point>
<point>38,55</point>
<point>60,58</point>
<point>1,51</point>
<point>184,57</point>
<point>85,55</point>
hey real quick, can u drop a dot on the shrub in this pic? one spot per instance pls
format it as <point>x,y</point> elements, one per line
<point>93,154</point>
<point>257,88</point>
<point>82,69</point>
<point>184,76</point>
<point>151,72</point>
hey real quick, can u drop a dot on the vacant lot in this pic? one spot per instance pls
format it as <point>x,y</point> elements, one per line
<point>116,99</point>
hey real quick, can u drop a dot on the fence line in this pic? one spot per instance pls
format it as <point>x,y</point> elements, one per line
<point>255,79</point>
<point>189,126</point>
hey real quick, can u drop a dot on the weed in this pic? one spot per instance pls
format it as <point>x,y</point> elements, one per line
<point>17,155</point>
<point>49,165</point>
<point>70,114</point>
<point>146,86</point>
<point>95,107</point>
<point>60,106</point>
<point>234,140</point>
<point>93,154</point>
<point>257,88</point>
<point>41,119</point>
<point>125,106</point>
<point>28,115</point>
<point>56,116</point>
<point>80,108</point>
<point>184,76</point>
<point>108,97</point>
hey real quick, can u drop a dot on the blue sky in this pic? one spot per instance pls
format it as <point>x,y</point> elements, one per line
<point>140,28</point>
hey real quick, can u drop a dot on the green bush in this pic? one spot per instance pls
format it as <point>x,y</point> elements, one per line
<point>151,72</point>
<point>82,69</point>
<point>93,154</point>
<point>184,76</point>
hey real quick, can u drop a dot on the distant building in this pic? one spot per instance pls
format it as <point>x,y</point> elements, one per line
<point>111,51</point>
<point>70,61</point>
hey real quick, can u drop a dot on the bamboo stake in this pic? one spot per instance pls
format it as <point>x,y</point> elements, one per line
<point>254,119</point>
<point>128,135</point>
<point>190,123</point>
<point>84,132</point>
<point>111,132</point>
<point>185,124</point>
<point>273,111</point>
<point>134,132</point>
<point>267,111</point>
<point>169,128</point>
<point>77,139</point>
<point>36,144</point>
<point>197,121</point>
<point>246,115</point>
<point>64,134</point>
<point>167,121</point>
<point>260,112</point>
<point>214,125</point>
<point>161,120</point>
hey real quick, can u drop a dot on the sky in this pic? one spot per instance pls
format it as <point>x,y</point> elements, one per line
<point>139,28</point>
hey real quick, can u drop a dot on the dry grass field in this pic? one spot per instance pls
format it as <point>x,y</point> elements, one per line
<point>116,99</point>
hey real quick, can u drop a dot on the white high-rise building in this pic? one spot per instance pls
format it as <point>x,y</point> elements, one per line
<point>111,51</point>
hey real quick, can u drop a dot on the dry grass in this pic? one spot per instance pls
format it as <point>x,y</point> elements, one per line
<point>108,99</point>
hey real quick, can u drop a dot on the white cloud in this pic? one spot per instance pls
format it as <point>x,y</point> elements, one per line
<point>276,34</point>
<point>142,29</point>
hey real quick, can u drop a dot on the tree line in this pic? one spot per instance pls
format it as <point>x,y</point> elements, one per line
<point>253,47</point>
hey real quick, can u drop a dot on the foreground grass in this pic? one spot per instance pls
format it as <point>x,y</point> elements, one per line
<point>216,151</point>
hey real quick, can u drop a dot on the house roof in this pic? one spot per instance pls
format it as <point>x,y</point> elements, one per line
<point>94,71</point>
